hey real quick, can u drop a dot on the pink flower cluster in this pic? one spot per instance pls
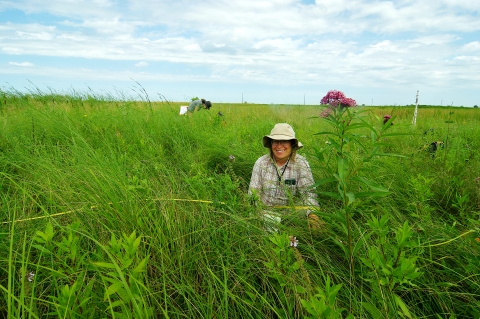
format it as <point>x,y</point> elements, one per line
<point>386,118</point>
<point>335,98</point>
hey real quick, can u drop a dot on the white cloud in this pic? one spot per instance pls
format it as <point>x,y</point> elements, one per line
<point>331,42</point>
<point>22,64</point>
<point>34,35</point>
<point>280,45</point>
<point>109,26</point>
<point>436,39</point>
<point>463,4</point>
<point>472,46</point>
<point>467,58</point>
<point>64,8</point>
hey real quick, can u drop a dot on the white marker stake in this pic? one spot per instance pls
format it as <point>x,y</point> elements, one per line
<point>414,122</point>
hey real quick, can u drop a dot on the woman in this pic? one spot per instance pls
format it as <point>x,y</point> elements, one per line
<point>283,177</point>
<point>199,104</point>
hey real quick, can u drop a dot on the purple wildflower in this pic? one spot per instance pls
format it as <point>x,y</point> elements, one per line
<point>335,98</point>
<point>386,118</point>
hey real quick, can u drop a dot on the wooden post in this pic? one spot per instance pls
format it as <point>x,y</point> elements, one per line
<point>414,122</point>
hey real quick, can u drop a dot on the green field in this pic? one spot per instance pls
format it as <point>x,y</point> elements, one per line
<point>116,208</point>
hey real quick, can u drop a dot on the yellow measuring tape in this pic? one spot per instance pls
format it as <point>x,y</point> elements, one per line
<point>154,199</point>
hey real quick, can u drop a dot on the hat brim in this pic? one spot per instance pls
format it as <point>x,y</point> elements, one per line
<point>267,140</point>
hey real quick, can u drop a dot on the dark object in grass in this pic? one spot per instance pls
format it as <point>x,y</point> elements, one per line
<point>386,118</point>
<point>220,114</point>
<point>433,147</point>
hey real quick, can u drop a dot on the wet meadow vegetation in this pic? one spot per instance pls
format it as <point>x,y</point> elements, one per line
<point>117,207</point>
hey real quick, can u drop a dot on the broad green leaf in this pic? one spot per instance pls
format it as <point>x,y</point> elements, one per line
<point>43,237</point>
<point>84,301</point>
<point>103,264</point>
<point>402,306</point>
<point>326,313</point>
<point>141,266</point>
<point>115,304</point>
<point>126,263</point>
<point>355,126</point>
<point>372,194</point>
<point>113,240</point>
<point>331,194</point>
<point>334,144</point>
<point>112,289</point>
<point>136,243</point>
<point>374,312</point>
<point>130,238</point>
<point>49,230</point>
<point>342,163</point>
<point>366,124</point>
<point>325,181</point>
<point>300,289</point>
<point>351,198</point>
<point>369,183</point>
<point>336,216</point>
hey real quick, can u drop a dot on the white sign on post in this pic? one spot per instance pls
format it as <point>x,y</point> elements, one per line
<point>183,109</point>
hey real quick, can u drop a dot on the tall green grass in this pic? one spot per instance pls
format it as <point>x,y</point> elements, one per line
<point>121,208</point>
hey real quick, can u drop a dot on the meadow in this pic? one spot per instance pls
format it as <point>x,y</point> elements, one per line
<point>121,208</point>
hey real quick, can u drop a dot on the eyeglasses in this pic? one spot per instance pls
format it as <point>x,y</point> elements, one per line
<point>281,142</point>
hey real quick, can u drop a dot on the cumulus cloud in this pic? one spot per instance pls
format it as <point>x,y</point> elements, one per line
<point>472,46</point>
<point>360,43</point>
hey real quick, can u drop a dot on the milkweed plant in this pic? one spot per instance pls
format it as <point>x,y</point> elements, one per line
<point>352,143</point>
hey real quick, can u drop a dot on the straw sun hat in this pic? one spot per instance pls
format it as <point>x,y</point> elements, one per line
<point>281,131</point>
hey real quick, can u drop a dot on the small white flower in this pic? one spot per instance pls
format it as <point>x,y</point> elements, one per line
<point>30,276</point>
<point>231,158</point>
<point>293,241</point>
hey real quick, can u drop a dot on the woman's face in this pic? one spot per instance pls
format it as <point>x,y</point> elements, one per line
<point>281,150</point>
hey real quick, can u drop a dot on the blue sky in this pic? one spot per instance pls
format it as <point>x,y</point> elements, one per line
<point>275,51</point>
